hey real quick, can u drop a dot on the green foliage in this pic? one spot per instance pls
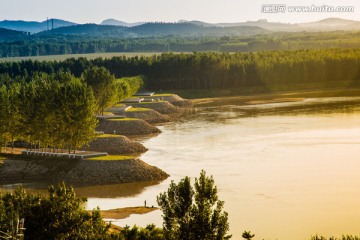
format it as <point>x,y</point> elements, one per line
<point>193,213</point>
<point>10,116</point>
<point>150,232</point>
<point>269,71</point>
<point>103,85</point>
<point>58,216</point>
<point>55,110</point>
<point>343,237</point>
<point>126,87</point>
<point>224,41</point>
<point>76,120</point>
<point>247,235</point>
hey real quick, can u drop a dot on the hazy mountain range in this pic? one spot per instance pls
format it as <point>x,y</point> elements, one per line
<point>34,27</point>
<point>20,30</point>
<point>328,24</point>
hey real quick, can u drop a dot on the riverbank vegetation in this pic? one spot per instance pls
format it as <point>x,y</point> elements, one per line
<point>57,110</point>
<point>60,215</point>
<point>193,213</point>
<point>111,158</point>
<point>189,213</point>
<point>51,110</point>
<point>268,71</point>
<point>61,44</point>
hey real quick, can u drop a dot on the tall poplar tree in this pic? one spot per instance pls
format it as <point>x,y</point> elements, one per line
<point>103,85</point>
<point>76,114</point>
<point>193,213</point>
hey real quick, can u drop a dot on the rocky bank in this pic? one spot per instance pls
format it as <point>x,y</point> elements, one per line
<point>114,144</point>
<point>126,127</point>
<point>21,169</point>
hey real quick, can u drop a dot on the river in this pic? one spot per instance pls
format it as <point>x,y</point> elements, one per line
<point>285,170</point>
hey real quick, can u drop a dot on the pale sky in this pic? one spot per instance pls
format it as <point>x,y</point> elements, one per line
<point>213,11</point>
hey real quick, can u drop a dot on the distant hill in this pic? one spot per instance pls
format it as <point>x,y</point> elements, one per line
<point>7,35</point>
<point>331,24</point>
<point>34,27</point>
<point>179,28</point>
<point>115,22</point>
<point>200,23</point>
<point>154,29</point>
<point>112,28</point>
<point>92,30</point>
<point>328,24</point>
<point>272,26</point>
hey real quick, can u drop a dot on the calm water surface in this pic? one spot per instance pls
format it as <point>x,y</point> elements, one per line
<point>284,170</point>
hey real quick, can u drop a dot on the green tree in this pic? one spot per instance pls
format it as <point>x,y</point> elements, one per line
<point>193,213</point>
<point>150,232</point>
<point>4,134</point>
<point>247,235</point>
<point>76,107</point>
<point>38,108</point>
<point>57,110</point>
<point>10,116</point>
<point>103,85</point>
<point>126,87</point>
<point>59,216</point>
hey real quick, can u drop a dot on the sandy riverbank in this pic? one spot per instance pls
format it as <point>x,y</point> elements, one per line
<point>121,213</point>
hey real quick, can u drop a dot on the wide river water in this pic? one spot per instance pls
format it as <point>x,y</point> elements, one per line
<point>284,170</point>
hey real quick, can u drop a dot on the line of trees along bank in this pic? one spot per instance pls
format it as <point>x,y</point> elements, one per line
<point>189,213</point>
<point>58,110</point>
<point>41,45</point>
<point>268,70</point>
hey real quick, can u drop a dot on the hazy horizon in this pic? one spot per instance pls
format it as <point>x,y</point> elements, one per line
<point>211,11</point>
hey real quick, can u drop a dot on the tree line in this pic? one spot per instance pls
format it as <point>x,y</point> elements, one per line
<point>58,110</point>
<point>60,44</point>
<point>190,213</point>
<point>267,70</point>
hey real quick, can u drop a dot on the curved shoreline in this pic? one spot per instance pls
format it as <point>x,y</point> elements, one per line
<point>21,169</point>
<point>121,213</point>
<point>114,144</point>
<point>126,127</point>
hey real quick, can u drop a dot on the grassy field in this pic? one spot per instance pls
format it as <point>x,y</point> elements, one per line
<point>152,102</point>
<point>108,136</point>
<point>123,119</point>
<point>111,158</point>
<point>88,56</point>
<point>138,110</point>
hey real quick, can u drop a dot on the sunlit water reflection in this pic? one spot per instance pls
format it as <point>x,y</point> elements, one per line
<point>285,170</point>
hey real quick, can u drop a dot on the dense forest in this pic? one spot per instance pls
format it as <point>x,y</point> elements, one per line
<point>268,70</point>
<point>58,110</point>
<point>57,44</point>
